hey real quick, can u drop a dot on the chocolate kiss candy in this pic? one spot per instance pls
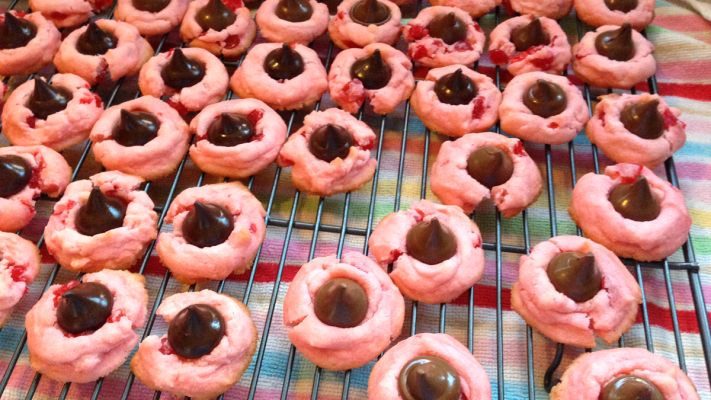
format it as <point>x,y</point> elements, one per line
<point>207,225</point>
<point>448,27</point>
<point>635,200</point>
<point>341,303</point>
<point>294,10</point>
<point>370,12</point>
<point>428,378</point>
<point>215,15</point>
<point>15,174</point>
<point>329,142</point>
<point>643,119</point>
<point>196,330</point>
<point>575,275</point>
<point>230,130</point>
<point>182,71</point>
<point>100,214</point>
<point>47,100</point>
<point>96,41</point>
<point>150,5</point>
<point>529,35</point>
<point>430,242</point>
<point>490,166</point>
<point>283,63</point>
<point>136,128</point>
<point>455,88</point>
<point>16,32</point>
<point>616,44</point>
<point>624,6</point>
<point>628,387</point>
<point>372,71</point>
<point>545,99</point>
<point>85,307</point>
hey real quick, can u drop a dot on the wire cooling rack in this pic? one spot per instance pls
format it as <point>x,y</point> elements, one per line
<point>285,219</point>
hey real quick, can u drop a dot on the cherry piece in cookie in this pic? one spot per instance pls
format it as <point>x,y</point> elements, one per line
<point>643,119</point>
<point>455,88</point>
<point>624,6</point>
<point>294,10</point>
<point>448,27</point>
<point>628,387</point>
<point>230,130</point>
<point>283,63</point>
<point>152,6</point>
<point>100,214</point>
<point>370,12</point>
<point>490,166</point>
<point>545,98</point>
<point>635,200</point>
<point>530,35</point>
<point>47,99</point>
<point>207,225</point>
<point>371,71</point>
<point>215,15</point>
<point>85,307</point>
<point>430,242</point>
<point>16,32</point>
<point>136,128</point>
<point>96,41</point>
<point>330,141</point>
<point>428,377</point>
<point>575,275</point>
<point>341,303</point>
<point>616,44</point>
<point>182,71</point>
<point>196,330</point>
<point>15,174</point>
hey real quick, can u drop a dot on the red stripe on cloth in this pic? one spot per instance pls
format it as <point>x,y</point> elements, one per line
<point>683,23</point>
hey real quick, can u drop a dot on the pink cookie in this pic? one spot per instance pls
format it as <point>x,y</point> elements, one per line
<point>552,58</point>
<point>60,130</point>
<point>333,347</point>
<point>211,89</point>
<point>433,52</point>
<point>64,13</point>
<point>115,249</point>
<point>158,367</point>
<point>609,133</point>
<point>152,23</point>
<point>19,265</point>
<point>596,13</point>
<point>346,33</point>
<point>553,9</point>
<point>278,30</point>
<point>323,178</point>
<point>652,240</point>
<point>126,59</point>
<point>519,121</point>
<point>155,159</point>
<point>608,315</point>
<point>383,382</point>
<point>432,284</point>
<point>90,355</point>
<point>189,263</point>
<point>453,185</point>
<point>242,160</point>
<point>50,175</point>
<point>37,53</point>
<point>457,120</point>
<point>349,92</point>
<point>250,80</point>
<point>231,41</point>
<point>475,8</point>
<point>598,70</point>
<point>588,375</point>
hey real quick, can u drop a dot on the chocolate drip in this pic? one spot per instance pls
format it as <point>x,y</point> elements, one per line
<point>616,44</point>
<point>430,242</point>
<point>329,142</point>
<point>196,331</point>
<point>152,6</point>
<point>490,166</point>
<point>372,71</point>
<point>529,35</point>
<point>643,119</point>
<point>182,71</point>
<point>635,200</point>
<point>294,10</point>
<point>96,41</point>
<point>455,88</point>
<point>207,225</point>
<point>575,275</point>
<point>628,387</point>
<point>429,378</point>
<point>85,307</point>
<point>136,128</point>
<point>545,98</point>
<point>283,63</point>
<point>101,213</point>
<point>341,303</point>
<point>215,15</point>
<point>448,27</point>
<point>624,6</point>
<point>370,12</point>
<point>47,100</point>
<point>16,32</point>
<point>15,174</point>
<point>230,130</point>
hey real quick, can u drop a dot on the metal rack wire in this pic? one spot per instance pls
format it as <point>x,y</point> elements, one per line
<point>497,247</point>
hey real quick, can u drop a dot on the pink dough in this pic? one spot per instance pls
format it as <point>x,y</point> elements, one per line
<point>190,264</point>
<point>350,93</point>
<point>597,70</point>
<point>278,30</point>
<point>552,58</point>
<point>159,368</point>
<point>475,8</point>
<point>588,375</point>
<point>231,41</point>
<point>607,131</point>
<point>457,120</point>
<point>519,121</point>
<point>245,159</point>
<point>250,80</point>
<point>150,23</point>
<point>153,160</point>
<point>347,33</point>
<point>95,354</point>
<point>115,249</point>
<point>608,315</point>
<point>337,348</point>
<point>126,59</point>
<point>433,52</point>
<point>596,13</point>
<point>60,130</point>
<point>34,55</point>
<point>383,382</point>
<point>50,175</point>
<point>64,13</point>
<point>211,89</point>
<point>553,9</point>
<point>19,265</point>
<point>643,241</point>
<point>453,185</point>
<point>340,175</point>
